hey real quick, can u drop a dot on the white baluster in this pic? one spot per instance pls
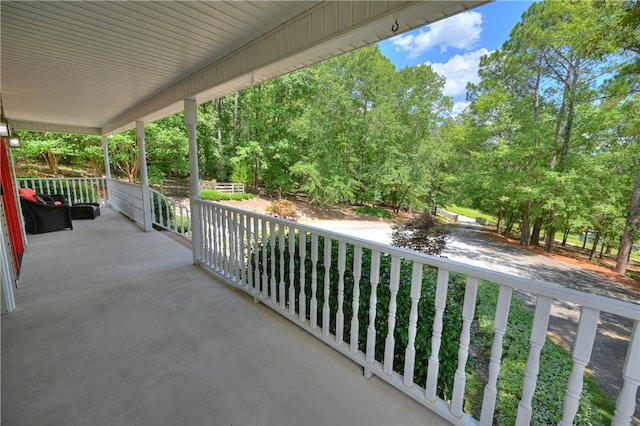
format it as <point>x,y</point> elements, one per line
<point>272,235</point>
<point>212,225</point>
<point>281,292</point>
<point>468,311</point>
<point>265,261</point>
<point>223,237</point>
<point>215,240</point>
<point>242,254</point>
<point>250,251</point>
<point>256,260</point>
<point>326,312</point>
<point>626,402</point>
<point>205,256</point>
<point>581,356</point>
<point>302,301</point>
<point>410,350</point>
<point>292,272</point>
<point>226,240</point>
<point>436,338</point>
<point>499,327</point>
<point>355,304</point>
<point>373,302</point>
<point>68,193</point>
<point>390,341</point>
<point>538,337</point>
<point>236,247</point>
<point>340,313</point>
<point>314,281</point>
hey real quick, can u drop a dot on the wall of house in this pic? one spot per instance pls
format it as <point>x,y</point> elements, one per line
<point>11,239</point>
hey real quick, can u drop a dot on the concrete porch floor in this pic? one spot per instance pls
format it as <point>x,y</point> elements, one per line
<point>116,326</point>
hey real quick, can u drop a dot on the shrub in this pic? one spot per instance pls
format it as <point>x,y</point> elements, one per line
<point>373,211</point>
<point>452,317</point>
<point>213,195</point>
<point>284,209</point>
<point>423,234</point>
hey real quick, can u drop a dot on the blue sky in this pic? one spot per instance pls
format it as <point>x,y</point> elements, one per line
<point>453,46</point>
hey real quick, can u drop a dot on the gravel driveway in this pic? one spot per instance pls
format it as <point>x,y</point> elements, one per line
<point>468,244</point>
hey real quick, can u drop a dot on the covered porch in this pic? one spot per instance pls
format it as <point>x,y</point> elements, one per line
<point>117,326</point>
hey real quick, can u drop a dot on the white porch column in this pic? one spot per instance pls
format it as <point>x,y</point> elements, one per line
<point>191,120</point>
<point>105,150</point>
<point>144,178</point>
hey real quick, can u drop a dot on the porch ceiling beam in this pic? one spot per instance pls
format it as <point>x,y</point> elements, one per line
<point>329,29</point>
<point>34,126</point>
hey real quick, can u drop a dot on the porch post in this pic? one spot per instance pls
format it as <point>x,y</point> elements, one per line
<point>105,150</point>
<point>191,120</point>
<point>144,178</point>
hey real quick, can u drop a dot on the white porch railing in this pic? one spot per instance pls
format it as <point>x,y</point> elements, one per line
<point>76,190</point>
<point>127,199</point>
<point>170,214</point>
<point>263,256</point>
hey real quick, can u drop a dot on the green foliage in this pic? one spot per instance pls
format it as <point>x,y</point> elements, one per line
<point>284,209</point>
<point>555,367</point>
<point>452,317</point>
<point>373,211</point>
<point>423,234</point>
<point>213,195</point>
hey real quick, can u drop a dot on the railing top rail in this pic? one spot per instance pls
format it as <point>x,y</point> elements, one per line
<point>601,303</point>
<point>162,195</point>
<point>60,178</point>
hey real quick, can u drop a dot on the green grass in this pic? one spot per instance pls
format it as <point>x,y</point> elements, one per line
<point>472,213</point>
<point>213,195</point>
<point>373,211</point>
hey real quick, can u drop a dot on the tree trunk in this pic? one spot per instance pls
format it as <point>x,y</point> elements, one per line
<point>525,225</point>
<point>550,233</point>
<point>550,238</point>
<point>235,125</point>
<point>511,222</point>
<point>565,236</point>
<point>500,217</point>
<point>535,234</point>
<point>595,245</point>
<point>626,241</point>
<point>586,235</point>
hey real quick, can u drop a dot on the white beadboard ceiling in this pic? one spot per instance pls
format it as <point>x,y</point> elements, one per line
<point>98,66</point>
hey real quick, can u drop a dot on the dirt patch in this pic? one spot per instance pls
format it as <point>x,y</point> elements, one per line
<point>576,256</point>
<point>309,212</point>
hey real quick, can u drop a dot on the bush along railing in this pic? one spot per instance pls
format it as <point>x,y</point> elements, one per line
<point>409,318</point>
<point>75,190</point>
<point>169,214</point>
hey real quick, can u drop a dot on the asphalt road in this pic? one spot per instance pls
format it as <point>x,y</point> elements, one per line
<point>468,244</point>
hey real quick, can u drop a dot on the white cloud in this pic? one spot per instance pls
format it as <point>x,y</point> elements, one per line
<point>459,70</point>
<point>458,107</point>
<point>461,31</point>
